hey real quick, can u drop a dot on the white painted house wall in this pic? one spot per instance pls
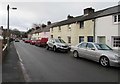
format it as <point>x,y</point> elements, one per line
<point>45,35</point>
<point>105,26</point>
<point>40,35</point>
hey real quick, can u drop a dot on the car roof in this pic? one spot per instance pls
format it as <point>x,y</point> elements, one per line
<point>92,42</point>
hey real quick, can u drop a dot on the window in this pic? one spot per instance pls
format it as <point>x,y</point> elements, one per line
<point>90,38</point>
<point>59,37</point>
<point>101,39</point>
<point>59,28</point>
<point>69,39</point>
<point>82,24</point>
<point>82,45</point>
<point>69,27</point>
<point>81,39</point>
<point>90,46</point>
<point>116,41</point>
<point>102,46</point>
<point>116,18</point>
<point>51,36</point>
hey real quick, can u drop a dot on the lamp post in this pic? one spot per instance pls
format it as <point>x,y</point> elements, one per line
<point>8,32</point>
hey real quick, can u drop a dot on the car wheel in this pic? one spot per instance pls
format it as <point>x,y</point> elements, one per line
<point>47,47</point>
<point>54,49</point>
<point>66,51</point>
<point>104,61</point>
<point>75,54</point>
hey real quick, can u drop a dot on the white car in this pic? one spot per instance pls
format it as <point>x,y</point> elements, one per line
<point>17,40</point>
<point>57,44</point>
<point>97,52</point>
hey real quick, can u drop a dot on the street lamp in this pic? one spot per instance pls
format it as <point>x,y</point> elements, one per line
<point>8,32</point>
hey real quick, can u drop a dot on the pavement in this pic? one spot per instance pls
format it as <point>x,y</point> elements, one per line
<point>11,69</point>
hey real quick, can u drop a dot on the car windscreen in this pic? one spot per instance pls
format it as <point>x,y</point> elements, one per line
<point>102,47</point>
<point>59,41</point>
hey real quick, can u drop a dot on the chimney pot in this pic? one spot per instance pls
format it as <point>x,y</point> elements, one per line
<point>88,10</point>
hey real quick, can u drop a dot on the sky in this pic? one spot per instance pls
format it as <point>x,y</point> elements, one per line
<point>34,11</point>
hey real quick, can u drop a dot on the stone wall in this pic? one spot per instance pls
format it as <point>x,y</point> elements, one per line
<point>1,38</point>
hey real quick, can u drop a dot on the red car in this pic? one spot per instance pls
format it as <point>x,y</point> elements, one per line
<point>32,42</point>
<point>41,42</point>
<point>27,41</point>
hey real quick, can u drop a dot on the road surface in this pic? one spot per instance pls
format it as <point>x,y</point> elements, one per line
<point>43,65</point>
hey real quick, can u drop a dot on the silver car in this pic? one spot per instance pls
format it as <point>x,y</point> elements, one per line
<point>57,44</point>
<point>97,52</point>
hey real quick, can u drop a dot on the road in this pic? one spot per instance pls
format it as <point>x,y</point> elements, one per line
<point>43,65</point>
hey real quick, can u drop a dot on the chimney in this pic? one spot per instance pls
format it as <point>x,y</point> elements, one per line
<point>69,16</point>
<point>48,23</point>
<point>88,11</point>
<point>1,27</point>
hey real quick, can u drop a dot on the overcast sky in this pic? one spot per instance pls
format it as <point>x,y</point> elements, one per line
<point>28,13</point>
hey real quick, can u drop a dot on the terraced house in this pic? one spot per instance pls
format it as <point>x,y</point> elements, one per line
<point>100,26</point>
<point>107,27</point>
<point>75,29</point>
<point>42,32</point>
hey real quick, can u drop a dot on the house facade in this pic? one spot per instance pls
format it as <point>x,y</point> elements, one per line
<point>100,26</point>
<point>74,33</point>
<point>75,30</point>
<point>35,35</point>
<point>42,32</point>
<point>107,27</point>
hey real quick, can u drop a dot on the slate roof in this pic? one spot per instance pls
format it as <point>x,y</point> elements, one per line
<point>97,14</point>
<point>44,29</point>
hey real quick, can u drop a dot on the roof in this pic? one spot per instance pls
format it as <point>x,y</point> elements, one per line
<point>44,29</point>
<point>97,14</point>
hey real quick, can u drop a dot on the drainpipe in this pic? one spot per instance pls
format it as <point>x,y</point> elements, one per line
<point>94,31</point>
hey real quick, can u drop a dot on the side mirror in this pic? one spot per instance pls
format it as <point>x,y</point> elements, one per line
<point>93,49</point>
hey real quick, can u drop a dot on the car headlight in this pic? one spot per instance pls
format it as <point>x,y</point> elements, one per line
<point>59,45</point>
<point>116,56</point>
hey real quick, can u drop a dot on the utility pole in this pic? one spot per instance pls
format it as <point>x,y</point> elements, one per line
<point>8,31</point>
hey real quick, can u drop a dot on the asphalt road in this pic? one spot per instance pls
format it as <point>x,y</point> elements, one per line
<point>43,65</point>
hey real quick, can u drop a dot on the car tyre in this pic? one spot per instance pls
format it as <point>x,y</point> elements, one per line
<point>104,61</point>
<point>67,51</point>
<point>75,54</point>
<point>54,49</point>
<point>47,47</point>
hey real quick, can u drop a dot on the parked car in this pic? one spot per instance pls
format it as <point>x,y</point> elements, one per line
<point>17,40</point>
<point>57,44</point>
<point>27,41</point>
<point>101,53</point>
<point>24,39</point>
<point>32,42</point>
<point>41,42</point>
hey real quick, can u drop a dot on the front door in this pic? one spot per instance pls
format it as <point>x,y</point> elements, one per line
<point>101,39</point>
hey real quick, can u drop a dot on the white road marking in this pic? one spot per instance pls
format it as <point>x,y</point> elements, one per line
<point>26,76</point>
<point>19,56</point>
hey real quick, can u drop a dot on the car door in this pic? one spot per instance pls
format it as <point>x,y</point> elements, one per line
<point>82,49</point>
<point>50,43</point>
<point>91,52</point>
